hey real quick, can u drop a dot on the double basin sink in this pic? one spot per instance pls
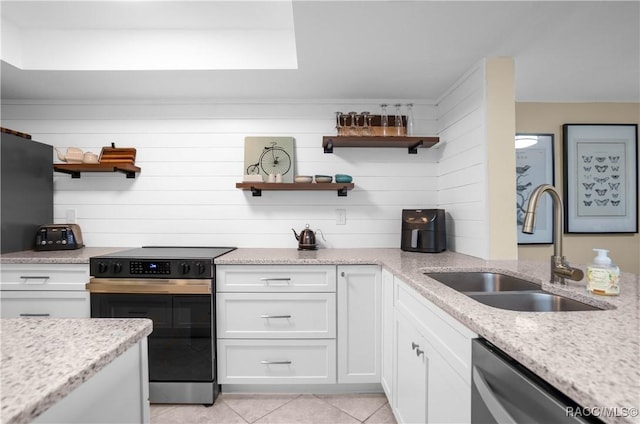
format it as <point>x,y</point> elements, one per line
<point>507,292</point>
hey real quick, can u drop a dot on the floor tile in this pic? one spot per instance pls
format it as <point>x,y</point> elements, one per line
<point>157,410</point>
<point>220,412</point>
<point>384,415</point>
<point>252,407</point>
<point>307,409</point>
<point>359,406</point>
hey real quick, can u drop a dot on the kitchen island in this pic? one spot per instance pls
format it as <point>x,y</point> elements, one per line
<point>74,370</point>
<point>593,356</point>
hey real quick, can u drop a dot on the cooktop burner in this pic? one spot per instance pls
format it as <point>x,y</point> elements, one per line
<point>158,262</point>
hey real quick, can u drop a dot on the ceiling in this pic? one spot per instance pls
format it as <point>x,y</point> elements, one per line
<point>563,51</point>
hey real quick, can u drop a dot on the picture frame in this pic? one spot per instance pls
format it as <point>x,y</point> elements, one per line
<point>534,166</point>
<point>269,155</point>
<point>600,178</point>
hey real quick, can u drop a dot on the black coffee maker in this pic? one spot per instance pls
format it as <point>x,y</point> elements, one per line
<point>423,230</point>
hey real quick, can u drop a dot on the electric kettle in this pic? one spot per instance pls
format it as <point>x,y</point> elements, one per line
<point>307,238</point>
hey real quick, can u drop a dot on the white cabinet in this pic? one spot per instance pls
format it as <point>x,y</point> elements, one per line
<point>432,361</point>
<point>55,290</point>
<point>359,308</point>
<point>410,392</point>
<point>276,324</point>
<point>119,393</point>
<point>387,318</point>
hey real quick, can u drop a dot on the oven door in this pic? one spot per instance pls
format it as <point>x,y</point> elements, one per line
<point>181,344</point>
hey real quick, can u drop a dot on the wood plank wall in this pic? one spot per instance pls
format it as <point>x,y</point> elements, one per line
<point>462,181</point>
<point>191,155</point>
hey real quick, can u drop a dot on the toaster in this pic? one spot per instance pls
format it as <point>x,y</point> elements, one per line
<point>58,237</point>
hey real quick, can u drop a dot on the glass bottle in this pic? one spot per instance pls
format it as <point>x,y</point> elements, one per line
<point>410,119</point>
<point>398,120</point>
<point>384,120</point>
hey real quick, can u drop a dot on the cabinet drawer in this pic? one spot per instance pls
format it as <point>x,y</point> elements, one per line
<point>276,315</point>
<point>44,276</point>
<point>276,361</point>
<point>56,304</point>
<point>449,337</point>
<point>275,278</point>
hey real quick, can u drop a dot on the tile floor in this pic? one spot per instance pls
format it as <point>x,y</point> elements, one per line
<point>280,409</point>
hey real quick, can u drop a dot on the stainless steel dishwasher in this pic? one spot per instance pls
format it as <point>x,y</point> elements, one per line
<point>503,391</point>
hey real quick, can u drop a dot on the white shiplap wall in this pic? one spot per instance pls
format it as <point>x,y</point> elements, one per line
<point>462,169</point>
<point>191,155</point>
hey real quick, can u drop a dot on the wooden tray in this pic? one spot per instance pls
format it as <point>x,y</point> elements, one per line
<point>118,155</point>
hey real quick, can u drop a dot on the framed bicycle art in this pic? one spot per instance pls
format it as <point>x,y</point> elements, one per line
<point>601,178</point>
<point>269,155</point>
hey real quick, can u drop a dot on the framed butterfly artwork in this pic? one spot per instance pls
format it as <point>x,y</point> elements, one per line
<point>600,178</point>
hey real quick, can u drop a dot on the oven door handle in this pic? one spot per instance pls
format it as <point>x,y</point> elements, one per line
<point>149,286</point>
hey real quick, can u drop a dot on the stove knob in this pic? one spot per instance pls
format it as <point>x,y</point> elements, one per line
<point>185,268</point>
<point>102,267</point>
<point>117,267</point>
<point>200,269</point>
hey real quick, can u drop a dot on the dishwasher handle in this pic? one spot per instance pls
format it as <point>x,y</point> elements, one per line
<point>500,414</point>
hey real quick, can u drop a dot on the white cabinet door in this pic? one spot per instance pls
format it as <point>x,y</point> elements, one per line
<point>56,304</point>
<point>448,395</point>
<point>386,374</point>
<point>359,309</point>
<point>410,391</point>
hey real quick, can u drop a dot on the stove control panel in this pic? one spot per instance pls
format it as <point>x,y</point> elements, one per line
<point>143,268</point>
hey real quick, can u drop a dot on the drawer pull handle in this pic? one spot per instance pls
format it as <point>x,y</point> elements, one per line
<point>275,316</point>
<point>275,362</point>
<point>419,352</point>
<point>35,315</point>
<point>34,277</point>
<point>266,280</point>
<point>414,345</point>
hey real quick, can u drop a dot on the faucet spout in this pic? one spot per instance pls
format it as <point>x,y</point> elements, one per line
<point>560,269</point>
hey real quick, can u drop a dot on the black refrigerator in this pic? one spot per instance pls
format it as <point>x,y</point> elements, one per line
<point>26,179</point>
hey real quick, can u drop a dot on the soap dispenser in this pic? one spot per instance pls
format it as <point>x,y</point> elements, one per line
<point>603,275</point>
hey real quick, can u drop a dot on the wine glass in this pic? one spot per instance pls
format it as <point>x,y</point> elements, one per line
<point>338,126</point>
<point>366,129</point>
<point>384,119</point>
<point>353,128</point>
<point>398,120</point>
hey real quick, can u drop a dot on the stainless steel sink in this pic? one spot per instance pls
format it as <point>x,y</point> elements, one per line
<point>507,292</point>
<point>482,281</point>
<point>531,302</point>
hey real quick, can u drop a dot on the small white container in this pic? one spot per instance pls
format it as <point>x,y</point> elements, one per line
<point>603,276</point>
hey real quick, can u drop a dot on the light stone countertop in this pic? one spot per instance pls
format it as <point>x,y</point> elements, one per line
<point>592,356</point>
<point>77,256</point>
<point>45,359</point>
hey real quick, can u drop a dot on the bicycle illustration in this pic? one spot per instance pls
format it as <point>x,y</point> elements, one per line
<point>273,160</point>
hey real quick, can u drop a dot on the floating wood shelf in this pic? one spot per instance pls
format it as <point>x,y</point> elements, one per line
<point>256,188</point>
<point>410,143</point>
<point>75,169</point>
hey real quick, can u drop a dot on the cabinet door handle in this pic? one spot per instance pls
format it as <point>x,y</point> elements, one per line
<point>342,274</point>
<point>414,345</point>
<point>35,315</point>
<point>419,352</point>
<point>275,316</point>
<point>275,362</point>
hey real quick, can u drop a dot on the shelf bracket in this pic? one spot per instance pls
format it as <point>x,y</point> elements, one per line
<point>256,192</point>
<point>74,174</point>
<point>329,147</point>
<point>413,150</point>
<point>342,191</point>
